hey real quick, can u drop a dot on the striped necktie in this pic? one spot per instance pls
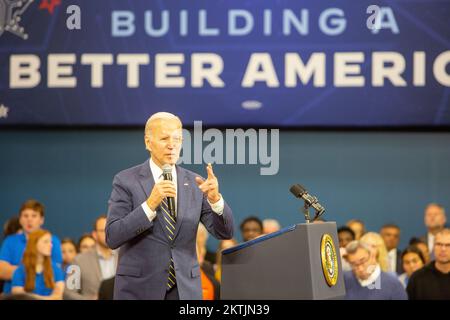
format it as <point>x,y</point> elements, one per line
<point>169,223</point>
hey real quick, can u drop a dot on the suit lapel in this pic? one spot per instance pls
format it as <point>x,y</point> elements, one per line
<point>146,178</point>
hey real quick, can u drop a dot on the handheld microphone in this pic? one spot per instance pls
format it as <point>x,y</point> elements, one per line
<point>167,174</point>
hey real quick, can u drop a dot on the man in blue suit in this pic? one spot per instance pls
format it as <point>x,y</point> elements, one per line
<point>157,256</point>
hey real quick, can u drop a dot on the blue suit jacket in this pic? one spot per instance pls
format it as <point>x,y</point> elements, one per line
<point>145,249</point>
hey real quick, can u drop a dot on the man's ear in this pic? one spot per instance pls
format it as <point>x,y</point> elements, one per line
<point>147,143</point>
<point>94,235</point>
<point>42,221</point>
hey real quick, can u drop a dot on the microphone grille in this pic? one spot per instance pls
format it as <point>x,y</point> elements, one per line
<point>167,168</point>
<point>297,190</point>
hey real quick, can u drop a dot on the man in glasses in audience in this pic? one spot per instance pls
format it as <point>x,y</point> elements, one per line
<point>366,281</point>
<point>432,282</point>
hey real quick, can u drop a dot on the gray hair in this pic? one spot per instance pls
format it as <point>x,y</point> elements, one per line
<point>158,116</point>
<point>354,245</point>
<point>434,204</point>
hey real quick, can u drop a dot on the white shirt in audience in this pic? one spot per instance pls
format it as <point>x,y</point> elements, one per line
<point>107,266</point>
<point>430,242</point>
<point>392,257</point>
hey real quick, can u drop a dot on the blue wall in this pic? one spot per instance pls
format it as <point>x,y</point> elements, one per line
<point>376,177</point>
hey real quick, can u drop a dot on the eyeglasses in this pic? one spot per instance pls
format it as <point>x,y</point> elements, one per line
<point>361,262</point>
<point>442,245</point>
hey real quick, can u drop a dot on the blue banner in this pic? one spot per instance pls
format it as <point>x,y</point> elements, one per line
<point>278,63</point>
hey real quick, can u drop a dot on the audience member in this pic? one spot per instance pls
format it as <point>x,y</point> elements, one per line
<point>378,248</point>
<point>270,226</point>
<point>358,228</point>
<point>412,260</point>
<point>38,275</point>
<point>86,243</point>
<point>391,237</point>
<point>31,218</point>
<point>367,281</point>
<point>435,220</point>
<point>69,252</point>
<point>11,226</point>
<point>345,236</point>
<point>95,265</point>
<point>432,282</point>
<point>251,228</point>
<point>422,246</point>
<point>210,286</point>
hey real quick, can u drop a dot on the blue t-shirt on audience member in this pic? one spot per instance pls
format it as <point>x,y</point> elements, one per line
<point>389,288</point>
<point>13,248</point>
<point>18,279</point>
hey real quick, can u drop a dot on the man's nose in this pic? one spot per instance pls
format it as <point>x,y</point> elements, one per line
<point>171,143</point>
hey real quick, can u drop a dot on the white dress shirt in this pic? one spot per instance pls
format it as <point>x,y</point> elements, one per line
<point>107,266</point>
<point>157,174</point>
<point>430,242</point>
<point>392,257</point>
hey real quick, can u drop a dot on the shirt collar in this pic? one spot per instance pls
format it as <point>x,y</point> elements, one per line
<point>432,266</point>
<point>392,252</point>
<point>157,171</point>
<point>101,257</point>
<point>372,278</point>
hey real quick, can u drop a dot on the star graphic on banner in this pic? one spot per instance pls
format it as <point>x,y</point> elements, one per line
<point>49,5</point>
<point>3,111</point>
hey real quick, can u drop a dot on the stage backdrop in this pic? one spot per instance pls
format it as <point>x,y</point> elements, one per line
<point>279,63</point>
<point>377,177</point>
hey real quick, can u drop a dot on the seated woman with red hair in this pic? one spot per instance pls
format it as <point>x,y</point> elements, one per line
<point>38,276</point>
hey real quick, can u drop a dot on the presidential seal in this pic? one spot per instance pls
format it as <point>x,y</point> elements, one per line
<point>329,260</point>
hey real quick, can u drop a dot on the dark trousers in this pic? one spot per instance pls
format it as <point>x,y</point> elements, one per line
<point>172,294</point>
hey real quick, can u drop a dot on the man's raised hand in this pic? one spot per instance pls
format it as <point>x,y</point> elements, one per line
<point>210,186</point>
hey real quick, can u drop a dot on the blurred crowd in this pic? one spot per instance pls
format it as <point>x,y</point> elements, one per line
<point>36,264</point>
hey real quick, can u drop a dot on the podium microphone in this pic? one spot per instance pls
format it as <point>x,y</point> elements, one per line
<point>167,175</point>
<point>310,201</point>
